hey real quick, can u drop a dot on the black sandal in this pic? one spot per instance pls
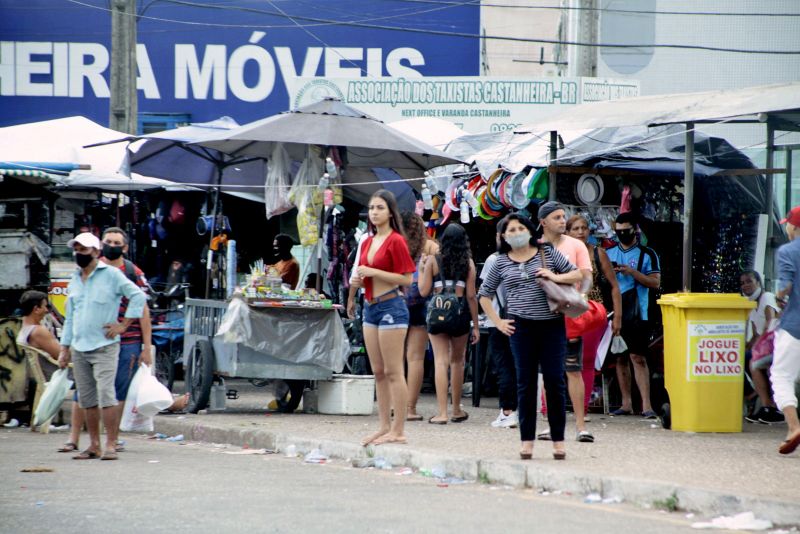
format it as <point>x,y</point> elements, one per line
<point>68,447</point>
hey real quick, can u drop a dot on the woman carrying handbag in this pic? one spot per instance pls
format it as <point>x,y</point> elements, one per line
<point>537,334</point>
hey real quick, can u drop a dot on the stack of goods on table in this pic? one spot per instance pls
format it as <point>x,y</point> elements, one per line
<point>264,289</point>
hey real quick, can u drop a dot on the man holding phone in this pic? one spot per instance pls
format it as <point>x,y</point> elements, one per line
<point>638,271</point>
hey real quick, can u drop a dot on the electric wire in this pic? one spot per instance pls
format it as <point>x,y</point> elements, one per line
<point>463,34</point>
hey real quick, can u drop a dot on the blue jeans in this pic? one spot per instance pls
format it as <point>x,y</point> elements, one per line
<point>128,355</point>
<point>536,343</point>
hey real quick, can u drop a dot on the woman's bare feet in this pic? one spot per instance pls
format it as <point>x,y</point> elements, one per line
<point>180,403</point>
<point>372,437</point>
<point>390,438</point>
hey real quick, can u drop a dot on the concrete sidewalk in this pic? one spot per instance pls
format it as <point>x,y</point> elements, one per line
<point>632,459</point>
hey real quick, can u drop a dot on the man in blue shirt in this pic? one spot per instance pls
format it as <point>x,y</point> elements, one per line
<point>91,338</point>
<point>638,271</point>
<point>786,358</point>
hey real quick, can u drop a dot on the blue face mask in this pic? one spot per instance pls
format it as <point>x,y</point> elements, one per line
<point>519,240</point>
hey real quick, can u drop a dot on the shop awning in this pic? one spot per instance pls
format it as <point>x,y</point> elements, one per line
<point>32,176</point>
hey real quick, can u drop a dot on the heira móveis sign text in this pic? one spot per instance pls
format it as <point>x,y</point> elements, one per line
<point>211,59</point>
<point>715,350</point>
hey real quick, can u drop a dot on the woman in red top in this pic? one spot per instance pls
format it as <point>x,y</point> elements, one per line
<point>385,265</point>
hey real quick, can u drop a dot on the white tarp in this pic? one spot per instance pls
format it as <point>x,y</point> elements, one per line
<point>676,108</point>
<point>62,141</point>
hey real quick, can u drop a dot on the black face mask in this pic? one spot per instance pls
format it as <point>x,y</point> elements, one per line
<point>83,260</point>
<point>626,237</point>
<point>111,252</point>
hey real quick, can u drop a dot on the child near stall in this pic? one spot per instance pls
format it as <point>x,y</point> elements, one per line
<point>384,265</point>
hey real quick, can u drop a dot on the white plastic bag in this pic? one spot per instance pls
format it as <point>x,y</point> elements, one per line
<point>278,181</point>
<point>235,325</point>
<point>307,196</point>
<point>132,421</point>
<point>618,345</point>
<point>152,397</point>
<point>53,396</point>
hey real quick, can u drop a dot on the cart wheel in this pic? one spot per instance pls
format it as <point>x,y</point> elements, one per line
<point>666,416</point>
<point>200,375</point>
<point>165,368</point>
<point>296,388</point>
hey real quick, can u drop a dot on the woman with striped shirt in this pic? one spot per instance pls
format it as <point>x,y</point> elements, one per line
<point>537,334</point>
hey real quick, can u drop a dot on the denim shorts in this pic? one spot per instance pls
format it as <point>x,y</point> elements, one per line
<point>386,315</point>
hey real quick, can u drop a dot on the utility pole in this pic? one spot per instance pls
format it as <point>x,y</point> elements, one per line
<point>124,107</point>
<point>583,59</point>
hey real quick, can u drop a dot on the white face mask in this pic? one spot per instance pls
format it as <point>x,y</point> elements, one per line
<point>756,294</point>
<point>519,240</point>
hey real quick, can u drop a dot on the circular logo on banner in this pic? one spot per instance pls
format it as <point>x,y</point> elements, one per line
<point>314,91</point>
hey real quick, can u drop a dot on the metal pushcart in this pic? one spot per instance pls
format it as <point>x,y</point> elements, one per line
<point>285,344</point>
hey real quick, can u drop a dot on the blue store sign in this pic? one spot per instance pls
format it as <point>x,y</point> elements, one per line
<point>200,61</point>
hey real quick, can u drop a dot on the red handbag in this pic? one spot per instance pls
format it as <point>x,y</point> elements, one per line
<point>588,321</point>
<point>765,344</point>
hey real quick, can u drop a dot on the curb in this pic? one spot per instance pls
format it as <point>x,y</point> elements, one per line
<point>505,472</point>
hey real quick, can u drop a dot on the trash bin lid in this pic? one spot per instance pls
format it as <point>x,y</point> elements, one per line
<point>706,300</point>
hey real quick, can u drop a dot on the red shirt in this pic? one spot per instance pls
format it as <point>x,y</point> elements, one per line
<point>134,332</point>
<point>392,257</point>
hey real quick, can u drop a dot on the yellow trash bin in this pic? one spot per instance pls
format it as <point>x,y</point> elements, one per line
<point>704,346</point>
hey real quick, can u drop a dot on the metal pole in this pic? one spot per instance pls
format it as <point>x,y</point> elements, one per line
<point>688,210</point>
<point>788,166</point>
<point>770,200</point>
<point>214,210</point>
<point>551,195</point>
<point>320,246</point>
<point>123,102</point>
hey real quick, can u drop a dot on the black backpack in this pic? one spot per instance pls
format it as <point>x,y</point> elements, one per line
<point>444,309</point>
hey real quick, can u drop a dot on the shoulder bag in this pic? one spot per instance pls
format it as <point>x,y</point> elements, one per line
<point>562,298</point>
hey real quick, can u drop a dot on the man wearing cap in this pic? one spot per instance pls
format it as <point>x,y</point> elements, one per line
<point>786,358</point>
<point>638,271</point>
<point>553,220</point>
<point>91,336</point>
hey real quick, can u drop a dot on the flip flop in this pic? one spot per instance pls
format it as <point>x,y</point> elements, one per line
<point>460,418</point>
<point>620,411</point>
<point>68,447</point>
<point>414,417</point>
<point>544,435</point>
<point>431,421</point>
<point>86,455</point>
<point>584,436</point>
<point>789,446</point>
<point>109,455</point>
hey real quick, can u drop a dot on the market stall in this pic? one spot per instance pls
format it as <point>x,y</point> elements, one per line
<point>315,157</point>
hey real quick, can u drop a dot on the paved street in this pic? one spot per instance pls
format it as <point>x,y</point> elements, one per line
<point>160,486</point>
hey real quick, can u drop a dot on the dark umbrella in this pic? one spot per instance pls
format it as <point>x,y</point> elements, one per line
<point>364,143</point>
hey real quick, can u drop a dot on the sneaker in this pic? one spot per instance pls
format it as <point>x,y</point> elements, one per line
<point>771,415</point>
<point>756,415</point>
<point>506,421</point>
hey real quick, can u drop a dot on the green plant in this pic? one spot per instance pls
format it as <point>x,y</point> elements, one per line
<point>670,504</point>
<point>483,478</point>
<point>370,452</point>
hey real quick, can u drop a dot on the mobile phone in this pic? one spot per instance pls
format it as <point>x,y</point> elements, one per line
<point>614,264</point>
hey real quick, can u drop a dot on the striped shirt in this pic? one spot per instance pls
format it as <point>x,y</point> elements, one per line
<point>525,296</point>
